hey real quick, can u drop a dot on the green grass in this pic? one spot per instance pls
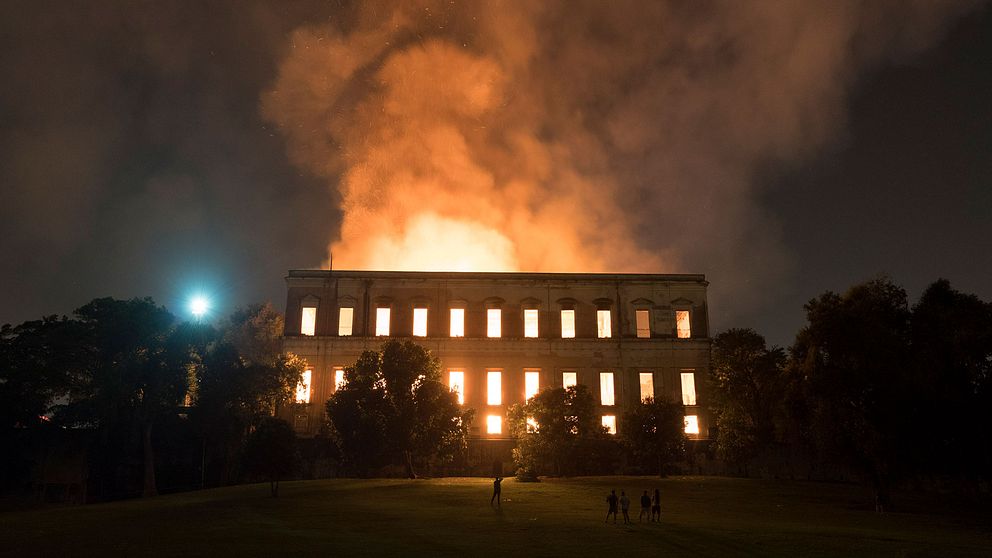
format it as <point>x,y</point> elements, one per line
<point>702,516</point>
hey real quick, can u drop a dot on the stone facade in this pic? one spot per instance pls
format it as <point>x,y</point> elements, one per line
<point>315,299</point>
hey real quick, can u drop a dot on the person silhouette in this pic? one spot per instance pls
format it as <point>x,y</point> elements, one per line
<point>612,500</point>
<point>497,491</point>
<point>625,506</point>
<point>656,506</point>
<point>645,506</point>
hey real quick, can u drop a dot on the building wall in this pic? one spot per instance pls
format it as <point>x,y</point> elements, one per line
<point>624,354</point>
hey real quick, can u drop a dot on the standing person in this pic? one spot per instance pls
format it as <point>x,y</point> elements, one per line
<point>645,506</point>
<point>611,500</point>
<point>497,491</point>
<point>625,506</point>
<point>656,505</point>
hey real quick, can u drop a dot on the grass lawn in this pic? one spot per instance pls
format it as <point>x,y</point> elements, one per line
<point>702,516</point>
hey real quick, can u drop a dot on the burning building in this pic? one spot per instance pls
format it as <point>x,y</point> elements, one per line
<point>502,337</point>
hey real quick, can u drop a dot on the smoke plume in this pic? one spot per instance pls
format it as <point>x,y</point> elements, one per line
<point>592,136</point>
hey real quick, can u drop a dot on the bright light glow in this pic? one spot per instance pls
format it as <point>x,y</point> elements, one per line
<point>643,319</point>
<point>382,322</point>
<point>691,424</point>
<point>494,388</point>
<point>456,383</point>
<point>688,388</point>
<point>604,324</point>
<point>303,388</point>
<point>606,393</point>
<point>530,322</point>
<point>531,424</point>
<point>458,322</point>
<point>532,382</point>
<point>682,324</point>
<point>610,422</point>
<point>420,322</point>
<point>494,322</point>
<point>568,379</point>
<point>647,385</point>
<point>199,306</point>
<point>338,378</point>
<point>308,320</point>
<point>567,324</point>
<point>346,318</point>
<point>494,424</point>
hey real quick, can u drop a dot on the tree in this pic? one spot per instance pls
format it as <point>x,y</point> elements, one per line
<point>746,390</point>
<point>270,451</point>
<point>563,422</point>
<point>654,431</point>
<point>394,408</point>
<point>851,358</point>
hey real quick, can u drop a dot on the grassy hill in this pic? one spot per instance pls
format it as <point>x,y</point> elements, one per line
<point>451,517</point>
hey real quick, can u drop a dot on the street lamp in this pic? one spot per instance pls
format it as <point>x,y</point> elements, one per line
<point>199,306</point>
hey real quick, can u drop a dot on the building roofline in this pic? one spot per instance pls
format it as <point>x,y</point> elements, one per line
<point>512,275</point>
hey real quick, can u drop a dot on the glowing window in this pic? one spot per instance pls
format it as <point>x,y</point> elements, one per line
<point>604,324</point>
<point>682,324</point>
<point>458,322</point>
<point>303,388</point>
<point>382,322</point>
<point>531,424</point>
<point>420,322</point>
<point>530,323</point>
<point>308,323</point>
<point>567,324</point>
<point>532,383</point>
<point>568,379</point>
<point>688,388</point>
<point>338,378</point>
<point>606,394</point>
<point>494,322</point>
<point>494,424</point>
<point>691,424</point>
<point>494,387</point>
<point>610,422</point>
<point>647,385</point>
<point>643,319</point>
<point>346,317</point>
<point>456,382</point>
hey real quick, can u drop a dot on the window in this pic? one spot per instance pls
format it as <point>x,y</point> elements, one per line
<point>494,388</point>
<point>530,322</point>
<point>420,322</point>
<point>610,423</point>
<point>346,317</point>
<point>691,424</point>
<point>458,322</point>
<point>606,394</point>
<point>604,324</point>
<point>568,379</point>
<point>308,322</point>
<point>643,319</point>
<point>531,424</point>
<point>532,383</point>
<point>382,322</point>
<point>338,378</point>
<point>494,424</point>
<point>303,388</point>
<point>647,385</point>
<point>688,388</point>
<point>567,324</point>
<point>456,382</point>
<point>494,322</point>
<point>682,324</point>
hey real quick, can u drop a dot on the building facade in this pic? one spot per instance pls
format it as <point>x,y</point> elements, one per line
<point>501,337</point>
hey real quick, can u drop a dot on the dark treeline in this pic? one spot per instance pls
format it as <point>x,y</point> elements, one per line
<point>121,399</point>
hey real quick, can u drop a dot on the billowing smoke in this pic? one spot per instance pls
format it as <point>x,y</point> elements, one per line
<point>593,136</point>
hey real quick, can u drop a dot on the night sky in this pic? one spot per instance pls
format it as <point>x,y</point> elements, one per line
<point>160,149</point>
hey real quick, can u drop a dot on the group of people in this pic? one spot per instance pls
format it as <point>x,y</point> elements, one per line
<point>650,506</point>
